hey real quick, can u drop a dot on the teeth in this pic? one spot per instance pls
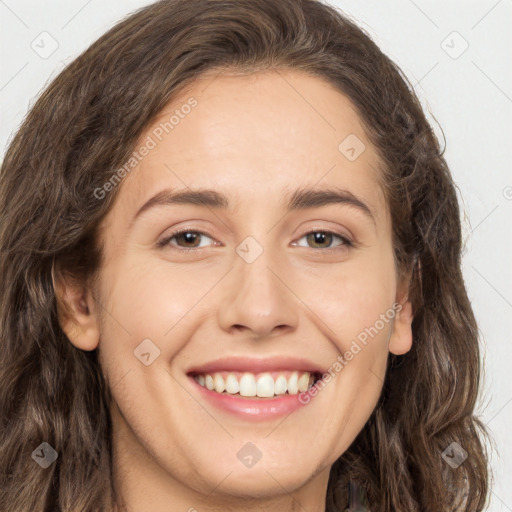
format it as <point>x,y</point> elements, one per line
<point>303,382</point>
<point>218,383</point>
<point>263,385</point>
<point>293,387</point>
<point>280,385</point>
<point>248,385</point>
<point>232,385</point>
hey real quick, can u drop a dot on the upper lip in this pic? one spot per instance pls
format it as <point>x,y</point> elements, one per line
<point>257,365</point>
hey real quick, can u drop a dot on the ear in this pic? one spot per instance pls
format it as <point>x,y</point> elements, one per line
<point>77,311</point>
<point>400,341</point>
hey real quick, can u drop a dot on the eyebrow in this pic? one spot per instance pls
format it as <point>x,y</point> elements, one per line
<point>300,199</point>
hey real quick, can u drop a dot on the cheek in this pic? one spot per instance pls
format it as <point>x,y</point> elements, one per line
<point>355,298</point>
<point>146,301</point>
<point>149,297</point>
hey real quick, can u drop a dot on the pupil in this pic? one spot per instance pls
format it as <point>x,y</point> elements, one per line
<point>189,236</point>
<point>319,237</point>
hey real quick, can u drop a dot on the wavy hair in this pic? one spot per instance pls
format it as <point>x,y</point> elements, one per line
<point>87,123</point>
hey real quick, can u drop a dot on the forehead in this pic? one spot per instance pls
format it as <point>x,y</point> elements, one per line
<point>253,137</point>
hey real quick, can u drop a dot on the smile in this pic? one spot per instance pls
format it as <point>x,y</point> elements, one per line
<point>262,385</point>
<point>255,389</point>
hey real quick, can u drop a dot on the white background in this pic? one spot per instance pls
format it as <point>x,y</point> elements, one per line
<point>468,92</point>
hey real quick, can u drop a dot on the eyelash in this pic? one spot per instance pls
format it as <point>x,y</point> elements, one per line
<point>346,242</point>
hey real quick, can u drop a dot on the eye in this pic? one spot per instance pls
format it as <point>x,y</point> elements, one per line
<point>322,238</point>
<point>190,238</point>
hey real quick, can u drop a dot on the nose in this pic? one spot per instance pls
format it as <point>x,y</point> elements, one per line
<point>257,298</point>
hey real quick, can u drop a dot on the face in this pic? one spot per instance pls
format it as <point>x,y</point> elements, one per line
<point>281,273</point>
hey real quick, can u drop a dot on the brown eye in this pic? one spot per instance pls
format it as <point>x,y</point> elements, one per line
<point>324,240</point>
<point>189,238</point>
<point>186,239</point>
<point>319,238</point>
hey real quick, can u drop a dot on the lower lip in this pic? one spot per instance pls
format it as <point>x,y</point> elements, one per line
<point>252,408</point>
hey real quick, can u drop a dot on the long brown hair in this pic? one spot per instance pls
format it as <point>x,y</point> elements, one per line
<point>86,124</point>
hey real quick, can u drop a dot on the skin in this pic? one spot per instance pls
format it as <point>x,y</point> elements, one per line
<point>255,138</point>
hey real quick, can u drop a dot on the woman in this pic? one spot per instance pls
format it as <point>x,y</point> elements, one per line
<point>255,369</point>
